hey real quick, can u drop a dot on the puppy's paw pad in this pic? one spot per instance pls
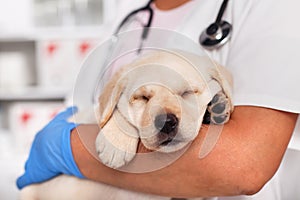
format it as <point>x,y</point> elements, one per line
<point>218,110</point>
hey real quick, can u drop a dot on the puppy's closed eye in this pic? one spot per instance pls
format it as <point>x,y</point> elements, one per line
<point>188,93</point>
<point>143,98</point>
<point>142,95</point>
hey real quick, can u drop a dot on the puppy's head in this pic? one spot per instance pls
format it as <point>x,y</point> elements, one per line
<point>164,96</point>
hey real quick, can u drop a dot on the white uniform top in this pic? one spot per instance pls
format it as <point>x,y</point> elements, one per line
<point>262,55</point>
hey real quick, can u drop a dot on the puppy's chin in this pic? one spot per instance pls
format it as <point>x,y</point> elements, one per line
<point>173,146</point>
<point>165,146</point>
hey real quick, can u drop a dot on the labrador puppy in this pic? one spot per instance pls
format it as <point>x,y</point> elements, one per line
<point>160,99</point>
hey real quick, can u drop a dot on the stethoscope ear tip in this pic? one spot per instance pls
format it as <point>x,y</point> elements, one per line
<point>216,35</point>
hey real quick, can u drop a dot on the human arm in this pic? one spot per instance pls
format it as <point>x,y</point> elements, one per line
<point>245,157</point>
<point>50,153</point>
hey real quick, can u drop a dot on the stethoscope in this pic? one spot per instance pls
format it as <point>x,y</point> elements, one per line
<point>213,37</point>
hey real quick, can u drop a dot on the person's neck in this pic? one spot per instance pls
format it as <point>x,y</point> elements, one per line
<point>169,4</point>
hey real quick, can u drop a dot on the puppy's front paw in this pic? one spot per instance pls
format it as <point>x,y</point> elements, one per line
<point>112,154</point>
<point>218,110</point>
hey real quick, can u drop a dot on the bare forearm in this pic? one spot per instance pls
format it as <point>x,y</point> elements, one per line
<point>188,176</point>
<point>241,162</point>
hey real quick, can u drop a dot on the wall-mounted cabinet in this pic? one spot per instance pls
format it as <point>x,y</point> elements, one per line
<point>42,46</point>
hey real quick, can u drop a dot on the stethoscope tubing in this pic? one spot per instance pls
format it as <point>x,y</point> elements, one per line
<point>213,37</point>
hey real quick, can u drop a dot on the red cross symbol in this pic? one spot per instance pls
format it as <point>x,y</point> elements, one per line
<point>25,117</point>
<point>84,47</point>
<point>51,48</point>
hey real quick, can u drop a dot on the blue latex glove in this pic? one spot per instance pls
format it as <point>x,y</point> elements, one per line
<point>51,152</point>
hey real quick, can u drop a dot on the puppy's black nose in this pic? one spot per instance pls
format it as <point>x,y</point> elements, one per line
<point>166,123</point>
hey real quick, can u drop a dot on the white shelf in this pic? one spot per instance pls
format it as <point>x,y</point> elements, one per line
<point>16,36</point>
<point>70,32</point>
<point>33,93</point>
<point>4,132</point>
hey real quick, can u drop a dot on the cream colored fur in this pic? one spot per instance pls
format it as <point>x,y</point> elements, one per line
<point>161,82</point>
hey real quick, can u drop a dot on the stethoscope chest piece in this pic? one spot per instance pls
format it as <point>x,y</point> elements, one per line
<point>216,35</point>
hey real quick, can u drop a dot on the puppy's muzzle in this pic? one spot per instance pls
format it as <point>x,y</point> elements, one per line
<point>167,125</point>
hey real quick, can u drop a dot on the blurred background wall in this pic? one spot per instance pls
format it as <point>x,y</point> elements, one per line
<point>42,46</point>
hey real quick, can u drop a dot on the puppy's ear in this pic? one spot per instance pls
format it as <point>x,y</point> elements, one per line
<point>117,140</point>
<point>109,98</point>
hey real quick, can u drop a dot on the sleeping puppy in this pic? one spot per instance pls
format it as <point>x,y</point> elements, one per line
<point>161,100</point>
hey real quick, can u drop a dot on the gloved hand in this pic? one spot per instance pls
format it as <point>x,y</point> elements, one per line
<point>51,152</point>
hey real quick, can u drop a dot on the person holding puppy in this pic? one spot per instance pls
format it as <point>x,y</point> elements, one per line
<point>262,56</point>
